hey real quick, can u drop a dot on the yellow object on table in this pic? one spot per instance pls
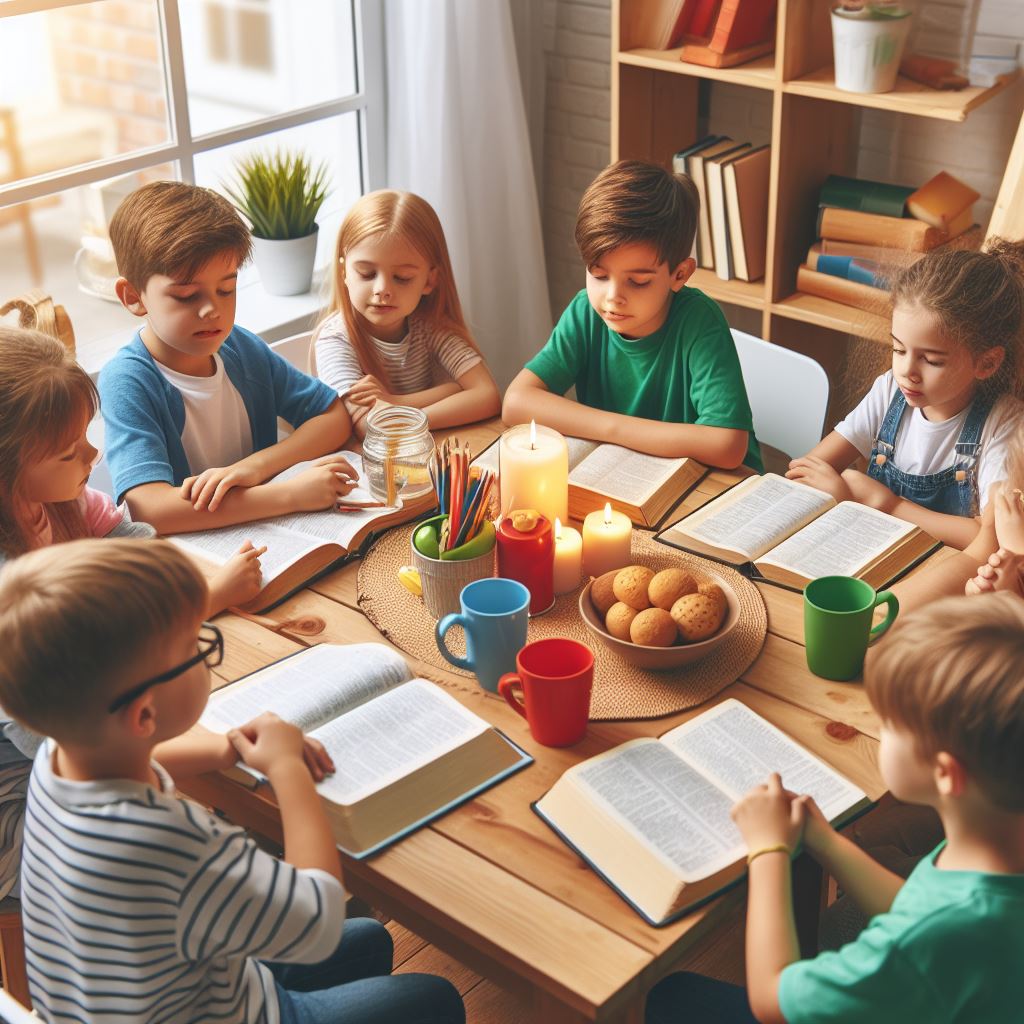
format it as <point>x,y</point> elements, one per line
<point>410,579</point>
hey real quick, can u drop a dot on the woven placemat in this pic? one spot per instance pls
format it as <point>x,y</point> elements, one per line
<point>621,690</point>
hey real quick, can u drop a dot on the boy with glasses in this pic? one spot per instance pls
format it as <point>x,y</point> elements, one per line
<point>141,906</point>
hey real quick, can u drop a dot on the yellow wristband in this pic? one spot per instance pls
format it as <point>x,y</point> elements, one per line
<point>777,848</point>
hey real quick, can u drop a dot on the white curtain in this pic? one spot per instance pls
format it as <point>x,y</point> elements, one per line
<point>457,135</point>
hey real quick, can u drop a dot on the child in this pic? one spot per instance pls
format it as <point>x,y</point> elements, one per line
<point>395,331</point>
<point>139,905</point>
<point>653,362</point>
<point>191,403</point>
<point>946,944</point>
<point>957,328</point>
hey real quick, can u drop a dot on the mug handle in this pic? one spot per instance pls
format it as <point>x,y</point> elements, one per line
<point>505,684</point>
<point>889,598</point>
<point>440,629</point>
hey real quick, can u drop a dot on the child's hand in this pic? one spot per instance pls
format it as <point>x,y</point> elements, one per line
<point>368,390</point>
<point>818,473</point>
<point>818,833</point>
<point>1004,570</point>
<point>768,816</point>
<point>320,486</point>
<point>1009,509</point>
<point>268,742</point>
<point>869,491</point>
<point>209,488</point>
<point>238,580</point>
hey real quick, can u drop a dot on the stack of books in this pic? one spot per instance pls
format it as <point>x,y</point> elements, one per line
<point>732,180</point>
<point>868,230</point>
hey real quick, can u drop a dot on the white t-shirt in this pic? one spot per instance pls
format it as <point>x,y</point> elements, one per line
<point>217,430</point>
<point>924,447</point>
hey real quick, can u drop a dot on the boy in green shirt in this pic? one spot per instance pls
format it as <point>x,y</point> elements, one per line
<point>945,946</point>
<point>653,362</point>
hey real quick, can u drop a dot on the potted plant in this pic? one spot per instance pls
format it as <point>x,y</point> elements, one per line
<point>868,37</point>
<point>280,193</point>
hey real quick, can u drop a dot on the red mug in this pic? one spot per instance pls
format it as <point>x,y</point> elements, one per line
<point>555,677</point>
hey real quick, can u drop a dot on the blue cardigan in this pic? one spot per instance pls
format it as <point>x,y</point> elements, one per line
<point>144,414</point>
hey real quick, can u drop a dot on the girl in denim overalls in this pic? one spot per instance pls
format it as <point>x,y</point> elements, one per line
<point>936,428</point>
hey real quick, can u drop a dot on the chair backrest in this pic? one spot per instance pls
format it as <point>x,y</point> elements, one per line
<point>13,1012</point>
<point>37,311</point>
<point>297,350</point>
<point>788,394</point>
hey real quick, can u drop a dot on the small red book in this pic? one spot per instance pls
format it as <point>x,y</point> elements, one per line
<point>743,23</point>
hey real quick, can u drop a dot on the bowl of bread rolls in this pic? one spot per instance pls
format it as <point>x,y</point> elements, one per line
<point>659,620</point>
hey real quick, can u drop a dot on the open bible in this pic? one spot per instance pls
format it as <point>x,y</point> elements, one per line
<point>404,750</point>
<point>790,533</point>
<point>643,487</point>
<point>303,545</point>
<point>651,816</point>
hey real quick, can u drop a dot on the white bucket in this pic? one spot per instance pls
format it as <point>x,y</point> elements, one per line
<point>868,50</point>
<point>285,265</point>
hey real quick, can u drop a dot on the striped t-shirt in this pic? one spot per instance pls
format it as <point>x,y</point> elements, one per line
<point>424,358</point>
<point>138,906</point>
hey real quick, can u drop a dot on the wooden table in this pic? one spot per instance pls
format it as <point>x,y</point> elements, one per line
<point>489,883</point>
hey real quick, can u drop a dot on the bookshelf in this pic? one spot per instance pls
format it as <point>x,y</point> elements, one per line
<point>655,99</point>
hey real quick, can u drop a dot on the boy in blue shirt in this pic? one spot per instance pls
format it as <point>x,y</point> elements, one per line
<point>653,363</point>
<point>945,946</point>
<point>191,403</point>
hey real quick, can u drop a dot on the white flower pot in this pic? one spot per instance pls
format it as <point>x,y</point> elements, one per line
<point>285,264</point>
<point>868,50</point>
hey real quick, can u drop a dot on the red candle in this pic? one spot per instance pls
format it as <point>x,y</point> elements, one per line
<point>528,555</point>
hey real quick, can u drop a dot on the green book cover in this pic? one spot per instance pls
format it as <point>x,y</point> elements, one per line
<point>865,196</point>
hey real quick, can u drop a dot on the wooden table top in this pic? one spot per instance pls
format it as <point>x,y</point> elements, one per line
<point>491,884</point>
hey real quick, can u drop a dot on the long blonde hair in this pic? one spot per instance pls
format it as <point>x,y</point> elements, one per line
<point>392,214</point>
<point>45,398</point>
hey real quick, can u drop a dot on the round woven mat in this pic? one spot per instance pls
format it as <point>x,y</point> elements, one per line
<point>621,690</point>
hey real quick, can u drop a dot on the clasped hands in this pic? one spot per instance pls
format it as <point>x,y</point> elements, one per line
<point>771,815</point>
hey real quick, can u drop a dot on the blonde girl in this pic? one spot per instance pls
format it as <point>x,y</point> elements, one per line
<point>936,428</point>
<point>395,332</point>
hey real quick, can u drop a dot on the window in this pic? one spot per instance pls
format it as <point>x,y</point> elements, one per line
<point>100,96</point>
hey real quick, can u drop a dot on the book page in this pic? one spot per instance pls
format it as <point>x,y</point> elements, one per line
<point>623,474</point>
<point>388,738</point>
<point>309,688</point>
<point>737,749</point>
<point>754,517</point>
<point>668,806</point>
<point>839,543</point>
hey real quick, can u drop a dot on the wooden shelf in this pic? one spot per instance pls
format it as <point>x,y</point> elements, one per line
<point>811,309</point>
<point>759,73</point>
<point>907,98</point>
<point>735,291</point>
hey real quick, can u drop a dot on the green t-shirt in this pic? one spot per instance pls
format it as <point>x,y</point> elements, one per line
<point>949,951</point>
<point>686,372</point>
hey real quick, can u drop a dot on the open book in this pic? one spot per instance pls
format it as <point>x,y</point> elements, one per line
<point>651,816</point>
<point>404,750</point>
<point>643,487</point>
<point>305,544</point>
<point>790,533</point>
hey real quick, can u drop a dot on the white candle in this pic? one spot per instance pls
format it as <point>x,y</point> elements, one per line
<point>534,471</point>
<point>607,541</point>
<point>568,557</point>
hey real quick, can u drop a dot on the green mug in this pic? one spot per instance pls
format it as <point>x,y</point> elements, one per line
<point>837,624</point>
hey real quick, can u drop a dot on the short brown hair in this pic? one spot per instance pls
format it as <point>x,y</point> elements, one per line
<point>78,619</point>
<point>632,201</point>
<point>168,227</point>
<point>952,674</point>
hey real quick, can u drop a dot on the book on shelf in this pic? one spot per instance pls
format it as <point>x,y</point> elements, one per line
<point>713,169</point>
<point>874,229</point>
<point>743,23</point>
<point>651,816</point>
<point>944,202</point>
<point>659,24</point>
<point>702,18</point>
<point>681,166</point>
<point>303,545</point>
<point>789,533</point>
<point>851,268</point>
<point>405,751</point>
<point>746,204</point>
<point>695,168</point>
<point>897,259</point>
<point>839,289</point>
<point>864,195</point>
<point>643,487</point>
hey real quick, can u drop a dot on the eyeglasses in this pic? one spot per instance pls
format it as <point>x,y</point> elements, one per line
<point>211,650</point>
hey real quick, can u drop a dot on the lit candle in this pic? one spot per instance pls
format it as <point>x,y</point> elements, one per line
<point>534,471</point>
<point>568,558</point>
<point>607,541</point>
<point>527,554</point>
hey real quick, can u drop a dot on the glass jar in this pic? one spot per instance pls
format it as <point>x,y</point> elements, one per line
<point>396,450</point>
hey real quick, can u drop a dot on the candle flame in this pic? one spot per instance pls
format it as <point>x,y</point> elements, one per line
<point>558,528</point>
<point>533,434</point>
<point>607,513</point>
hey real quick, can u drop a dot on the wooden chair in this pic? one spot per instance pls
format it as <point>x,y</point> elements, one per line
<point>12,952</point>
<point>20,211</point>
<point>37,311</point>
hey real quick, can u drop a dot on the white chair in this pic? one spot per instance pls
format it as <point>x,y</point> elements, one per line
<point>298,350</point>
<point>788,395</point>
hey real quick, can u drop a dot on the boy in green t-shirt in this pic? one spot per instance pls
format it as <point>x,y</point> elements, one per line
<point>946,945</point>
<point>653,362</point>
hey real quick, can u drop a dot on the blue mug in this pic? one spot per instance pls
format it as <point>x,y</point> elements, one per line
<point>495,613</point>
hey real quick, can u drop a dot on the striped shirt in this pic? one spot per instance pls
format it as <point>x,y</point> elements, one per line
<point>140,907</point>
<point>424,358</point>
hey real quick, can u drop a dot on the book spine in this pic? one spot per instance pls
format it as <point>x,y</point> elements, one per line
<point>703,15</point>
<point>724,25</point>
<point>865,196</point>
<point>849,293</point>
<point>889,258</point>
<point>852,269</point>
<point>748,22</point>
<point>872,229</point>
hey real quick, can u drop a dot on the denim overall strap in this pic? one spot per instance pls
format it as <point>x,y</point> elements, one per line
<point>884,444</point>
<point>968,448</point>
